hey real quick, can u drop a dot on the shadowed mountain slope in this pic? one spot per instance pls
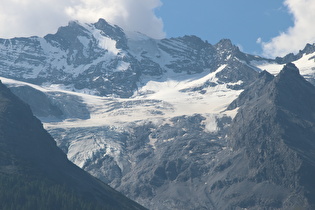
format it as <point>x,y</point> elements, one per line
<point>35,173</point>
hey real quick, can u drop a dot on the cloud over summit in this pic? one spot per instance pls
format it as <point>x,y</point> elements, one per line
<point>39,17</point>
<point>297,36</point>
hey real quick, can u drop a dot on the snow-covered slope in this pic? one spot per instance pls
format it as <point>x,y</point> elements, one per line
<point>305,62</point>
<point>146,116</point>
<point>156,99</point>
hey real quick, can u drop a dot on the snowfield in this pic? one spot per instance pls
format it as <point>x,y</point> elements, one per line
<point>156,99</point>
<point>306,65</point>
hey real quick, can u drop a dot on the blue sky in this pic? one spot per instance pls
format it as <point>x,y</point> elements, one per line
<point>241,21</point>
<point>280,26</point>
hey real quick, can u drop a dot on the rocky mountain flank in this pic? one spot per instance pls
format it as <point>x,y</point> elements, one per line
<point>272,143</point>
<point>263,159</point>
<point>36,174</point>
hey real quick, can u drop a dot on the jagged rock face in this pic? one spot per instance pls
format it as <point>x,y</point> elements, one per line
<point>274,135</point>
<point>27,150</point>
<point>159,164</point>
<point>309,48</point>
<point>104,59</point>
<point>114,32</point>
<point>252,91</point>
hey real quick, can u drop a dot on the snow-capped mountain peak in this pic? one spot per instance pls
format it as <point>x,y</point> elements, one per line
<point>107,61</point>
<point>118,103</point>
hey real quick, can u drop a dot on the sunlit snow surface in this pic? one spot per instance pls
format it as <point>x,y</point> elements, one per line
<point>156,101</point>
<point>306,65</point>
<point>163,98</point>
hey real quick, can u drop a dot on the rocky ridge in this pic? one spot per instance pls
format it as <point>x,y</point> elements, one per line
<point>106,61</point>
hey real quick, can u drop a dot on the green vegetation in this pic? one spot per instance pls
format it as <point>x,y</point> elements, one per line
<point>18,192</point>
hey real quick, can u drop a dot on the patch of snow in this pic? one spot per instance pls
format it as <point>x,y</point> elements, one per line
<point>231,113</point>
<point>152,141</point>
<point>210,123</point>
<point>306,65</point>
<point>108,44</point>
<point>103,41</point>
<point>90,147</point>
<point>168,140</point>
<point>83,149</point>
<point>271,67</point>
<point>122,66</point>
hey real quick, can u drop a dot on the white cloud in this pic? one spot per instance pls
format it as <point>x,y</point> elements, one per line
<point>297,36</point>
<point>39,17</point>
